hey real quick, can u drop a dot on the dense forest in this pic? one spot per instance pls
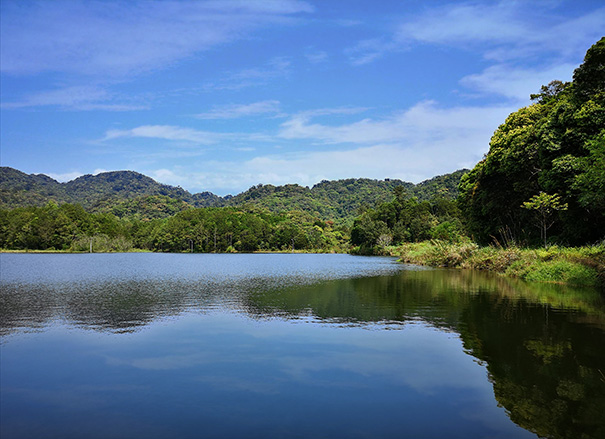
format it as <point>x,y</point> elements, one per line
<point>542,181</point>
<point>544,175</point>
<point>226,229</point>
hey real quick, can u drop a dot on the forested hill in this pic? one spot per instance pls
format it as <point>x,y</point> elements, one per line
<point>94,192</point>
<point>128,193</point>
<point>342,199</point>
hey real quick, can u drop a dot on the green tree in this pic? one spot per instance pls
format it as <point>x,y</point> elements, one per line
<point>552,146</point>
<point>545,206</point>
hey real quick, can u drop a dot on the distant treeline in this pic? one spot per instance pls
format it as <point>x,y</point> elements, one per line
<point>225,229</point>
<point>70,227</point>
<point>405,219</point>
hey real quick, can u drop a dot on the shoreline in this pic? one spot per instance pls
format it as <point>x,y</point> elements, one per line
<point>578,266</point>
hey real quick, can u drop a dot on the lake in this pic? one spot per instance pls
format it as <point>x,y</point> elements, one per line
<point>292,346</point>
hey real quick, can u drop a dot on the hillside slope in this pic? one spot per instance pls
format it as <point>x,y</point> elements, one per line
<point>128,193</point>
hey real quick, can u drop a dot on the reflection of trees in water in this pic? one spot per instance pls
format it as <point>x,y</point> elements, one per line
<point>114,306</point>
<point>546,366</point>
<point>542,344</point>
<point>436,296</point>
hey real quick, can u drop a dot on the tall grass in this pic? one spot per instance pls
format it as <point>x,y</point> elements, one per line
<point>569,265</point>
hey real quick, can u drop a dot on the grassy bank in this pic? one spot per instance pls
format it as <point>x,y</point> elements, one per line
<point>568,265</point>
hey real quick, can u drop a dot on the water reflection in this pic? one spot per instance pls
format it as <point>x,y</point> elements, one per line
<point>541,344</point>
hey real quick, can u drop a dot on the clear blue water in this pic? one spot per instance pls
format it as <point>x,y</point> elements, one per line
<point>291,345</point>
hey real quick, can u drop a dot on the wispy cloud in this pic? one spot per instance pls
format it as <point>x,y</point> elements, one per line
<point>466,23</point>
<point>334,111</point>
<point>516,83</point>
<point>316,56</point>
<point>186,137</point>
<point>503,31</point>
<point>310,167</point>
<point>412,145</point>
<point>75,98</point>
<point>253,77</point>
<point>117,39</point>
<point>422,123</point>
<point>243,110</point>
<point>370,50</point>
<point>166,132</point>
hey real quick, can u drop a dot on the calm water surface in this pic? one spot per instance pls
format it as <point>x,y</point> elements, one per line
<point>309,346</point>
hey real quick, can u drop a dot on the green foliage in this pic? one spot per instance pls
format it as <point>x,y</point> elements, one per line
<point>53,227</point>
<point>570,265</point>
<point>228,229</point>
<point>129,194</point>
<point>561,271</point>
<point>545,206</point>
<point>406,219</point>
<point>101,244</point>
<point>149,207</point>
<point>590,180</point>
<point>554,146</point>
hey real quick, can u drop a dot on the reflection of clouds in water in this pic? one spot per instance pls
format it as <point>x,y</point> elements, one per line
<point>166,362</point>
<point>254,384</point>
<point>269,353</point>
<point>421,351</point>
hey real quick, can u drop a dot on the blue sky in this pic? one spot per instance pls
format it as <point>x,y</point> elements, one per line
<point>221,95</point>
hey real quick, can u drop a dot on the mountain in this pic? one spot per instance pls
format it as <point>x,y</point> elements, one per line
<point>94,192</point>
<point>128,193</point>
<point>334,200</point>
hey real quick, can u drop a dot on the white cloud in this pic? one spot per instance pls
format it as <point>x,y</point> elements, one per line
<point>309,168</point>
<point>66,176</point>
<point>414,145</point>
<point>516,84</point>
<point>113,39</point>
<point>236,111</point>
<point>504,31</point>
<point>75,98</point>
<point>178,136</point>
<point>425,122</point>
<point>166,132</point>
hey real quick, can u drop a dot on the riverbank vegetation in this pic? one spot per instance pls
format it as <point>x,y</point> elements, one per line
<point>570,265</point>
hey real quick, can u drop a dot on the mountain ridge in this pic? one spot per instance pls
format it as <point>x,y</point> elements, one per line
<point>128,192</point>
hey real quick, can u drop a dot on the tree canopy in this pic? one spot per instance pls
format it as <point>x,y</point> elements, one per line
<point>556,145</point>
